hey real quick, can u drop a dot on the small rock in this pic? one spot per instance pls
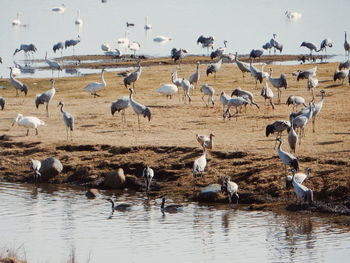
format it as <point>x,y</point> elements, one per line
<point>91,193</point>
<point>209,193</point>
<point>115,179</point>
<point>50,168</point>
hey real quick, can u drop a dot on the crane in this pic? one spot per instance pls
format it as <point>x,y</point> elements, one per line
<point>229,188</point>
<point>139,108</point>
<point>120,105</point>
<point>28,122</point>
<point>68,120</point>
<point>46,97</point>
<point>148,175</point>
<point>207,90</point>
<point>133,77</point>
<point>17,84</point>
<point>287,158</point>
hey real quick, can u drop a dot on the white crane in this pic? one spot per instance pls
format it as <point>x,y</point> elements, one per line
<point>120,105</point>
<point>94,87</point>
<point>173,208</point>
<point>148,175</point>
<point>317,109</point>
<point>302,192</point>
<point>267,94</point>
<point>243,67</point>
<point>206,141</point>
<point>35,165</point>
<point>186,86</point>
<point>237,102</point>
<point>199,165</point>
<point>2,103</point>
<point>244,93</point>
<point>17,21</point>
<point>292,137</point>
<point>312,83</point>
<point>133,77</point>
<point>295,101</point>
<point>46,97</point>
<point>168,89</point>
<point>299,177</point>
<point>53,65</point>
<point>287,158</point>
<point>224,98</point>
<point>278,83</point>
<point>17,84</point>
<point>59,9</point>
<point>28,122</point>
<point>277,127</point>
<point>346,46</point>
<point>229,188</point>
<point>209,91</point>
<point>139,108</point>
<point>78,21</point>
<point>147,26</point>
<point>194,78</point>
<point>68,120</point>
<point>214,67</point>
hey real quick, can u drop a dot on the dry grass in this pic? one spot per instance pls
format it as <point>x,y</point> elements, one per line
<point>174,124</point>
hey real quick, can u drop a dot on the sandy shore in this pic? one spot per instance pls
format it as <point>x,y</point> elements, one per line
<point>101,142</point>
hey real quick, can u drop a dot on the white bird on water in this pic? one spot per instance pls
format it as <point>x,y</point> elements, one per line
<point>139,108</point>
<point>46,97</point>
<point>59,9</point>
<point>147,25</point>
<point>120,105</point>
<point>162,39</point>
<point>78,21</point>
<point>94,87</point>
<point>28,122</point>
<point>68,120</point>
<point>17,21</point>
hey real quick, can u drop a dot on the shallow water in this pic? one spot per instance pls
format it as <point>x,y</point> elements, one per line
<point>51,221</point>
<point>245,26</point>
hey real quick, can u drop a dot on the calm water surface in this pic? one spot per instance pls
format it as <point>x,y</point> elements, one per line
<point>48,222</point>
<point>244,24</point>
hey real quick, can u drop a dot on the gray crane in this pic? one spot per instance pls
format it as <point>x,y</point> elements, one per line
<point>58,46</point>
<point>257,74</point>
<point>310,46</point>
<point>210,91</point>
<point>295,101</point>
<point>267,46</point>
<point>346,46</point>
<point>277,127</point>
<point>287,158</point>
<point>275,44</point>
<point>72,43</point>
<point>139,108</point>
<point>301,120</point>
<point>302,192</point>
<point>53,65</point>
<point>312,83</point>
<point>292,137</point>
<point>267,94</point>
<point>229,188</point>
<point>224,98</point>
<point>173,208</point>
<point>148,175</point>
<point>324,44</point>
<point>278,83</point>
<point>243,67</point>
<point>317,109</point>
<point>236,102</point>
<point>206,42</point>
<point>206,141</point>
<point>133,77</point>
<point>341,75</point>
<point>120,105</point>
<point>299,177</point>
<point>186,86</point>
<point>17,84</point>
<point>244,93</point>
<point>46,97</point>
<point>27,48</point>
<point>2,103</point>
<point>68,120</point>
<point>194,78</point>
<point>219,51</point>
<point>256,53</point>
<point>214,67</point>
<point>305,74</point>
<point>178,54</point>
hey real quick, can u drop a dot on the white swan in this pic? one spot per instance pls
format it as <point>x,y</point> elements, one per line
<point>17,21</point>
<point>168,89</point>
<point>162,39</point>
<point>28,122</point>
<point>78,21</point>
<point>93,87</point>
<point>147,25</point>
<point>59,9</point>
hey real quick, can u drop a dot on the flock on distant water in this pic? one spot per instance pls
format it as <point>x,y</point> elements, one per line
<point>294,124</point>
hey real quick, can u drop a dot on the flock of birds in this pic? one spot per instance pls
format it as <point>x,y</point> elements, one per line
<point>239,99</point>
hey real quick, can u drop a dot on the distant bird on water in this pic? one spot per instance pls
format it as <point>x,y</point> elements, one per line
<point>173,208</point>
<point>120,105</point>
<point>17,84</point>
<point>148,175</point>
<point>53,65</point>
<point>134,46</point>
<point>133,77</point>
<point>78,21</point>
<point>94,87</point>
<point>59,9</point>
<point>28,122</point>
<point>46,97</point>
<point>139,108</point>
<point>68,120</point>
<point>147,26</point>
<point>120,207</point>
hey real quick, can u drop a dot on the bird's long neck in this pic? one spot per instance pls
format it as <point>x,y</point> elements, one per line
<point>163,203</point>
<point>103,78</point>
<point>280,146</point>
<point>62,108</point>
<point>293,176</point>
<point>11,74</point>
<point>345,37</point>
<point>112,203</point>
<point>78,14</point>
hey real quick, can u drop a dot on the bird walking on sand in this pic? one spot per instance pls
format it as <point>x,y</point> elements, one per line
<point>168,90</point>
<point>214,68</point>
<point>224,98</point>
<point>267,94</point>
<point>94,87</point>
<point>312,83</point>
<point>28,122</point>
<point>35,165</point>
<point>243,67</point>
<point>317,109</point>
<point>148,175</point>
<point>68,120</point>
<point>139,108</point>
<point>229,188</point>
<point>278,83</point>
<point>208,91</point>
<point>292,137</point>
<point>2,103</point>
<point>46,97</point>
<point>286,157</point>
<point>120,105</point>
<point>186,86</point>
<point>341,75</point>
<point>295,101</point>
<point>17,84</point>
<point>277,127</point>
<point>194,78</point>
<point>246,94</point>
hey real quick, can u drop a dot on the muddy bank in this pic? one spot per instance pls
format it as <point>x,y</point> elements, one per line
<point>260,177</point>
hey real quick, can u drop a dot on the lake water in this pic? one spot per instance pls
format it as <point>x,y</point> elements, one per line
<point>245,25</point>
<point>48,222</point>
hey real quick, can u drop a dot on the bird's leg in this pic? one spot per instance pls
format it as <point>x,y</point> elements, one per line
<point>47,110</point>
<point>138,121</point>
<point>17,93</point>
<point>313,124</point>
<point>27,132</point>
<point>67,132</point>
<point>36,131</point>
<point>229,198</point>
<point>204,101</point>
